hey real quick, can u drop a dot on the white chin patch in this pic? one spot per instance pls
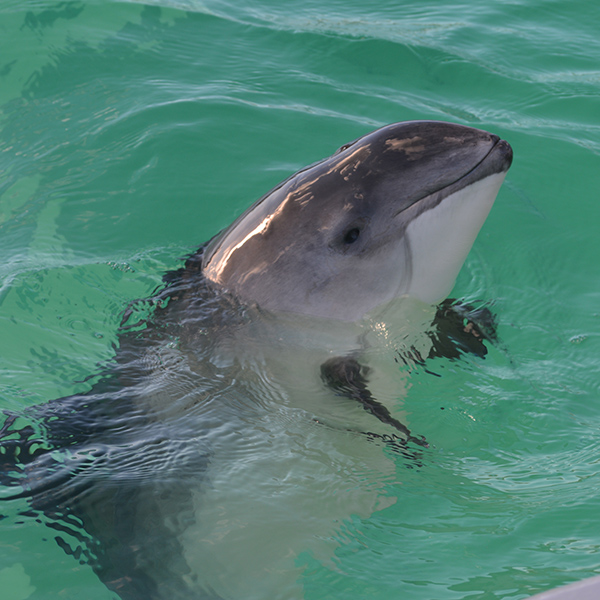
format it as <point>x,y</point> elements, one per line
<point>440,238</point>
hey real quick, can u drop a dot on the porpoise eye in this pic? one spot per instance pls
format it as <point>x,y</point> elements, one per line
<point>351,235</point>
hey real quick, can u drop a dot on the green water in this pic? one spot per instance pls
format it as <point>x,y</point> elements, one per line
<point>130,133</point>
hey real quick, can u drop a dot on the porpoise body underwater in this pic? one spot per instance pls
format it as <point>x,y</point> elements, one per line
<point>246,416</point>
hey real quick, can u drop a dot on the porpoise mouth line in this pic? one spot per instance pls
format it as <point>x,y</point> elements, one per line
<point>499,142</point>
<point>466,175</point>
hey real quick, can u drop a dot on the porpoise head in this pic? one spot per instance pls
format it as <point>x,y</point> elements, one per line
<point>391,214</point>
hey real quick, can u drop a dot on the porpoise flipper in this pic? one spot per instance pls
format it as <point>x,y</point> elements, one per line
<point>460,328</point>
<point>345,376</point>
<point>457,328</point>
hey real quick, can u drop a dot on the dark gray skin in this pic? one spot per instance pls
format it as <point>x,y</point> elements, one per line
<point>331,244</point>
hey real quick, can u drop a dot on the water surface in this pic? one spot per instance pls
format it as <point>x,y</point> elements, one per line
<point>130,133</point>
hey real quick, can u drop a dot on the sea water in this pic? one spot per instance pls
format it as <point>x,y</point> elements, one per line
<point>132,132</point>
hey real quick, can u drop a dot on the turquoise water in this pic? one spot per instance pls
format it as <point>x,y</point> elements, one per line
<point>130,133</point>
